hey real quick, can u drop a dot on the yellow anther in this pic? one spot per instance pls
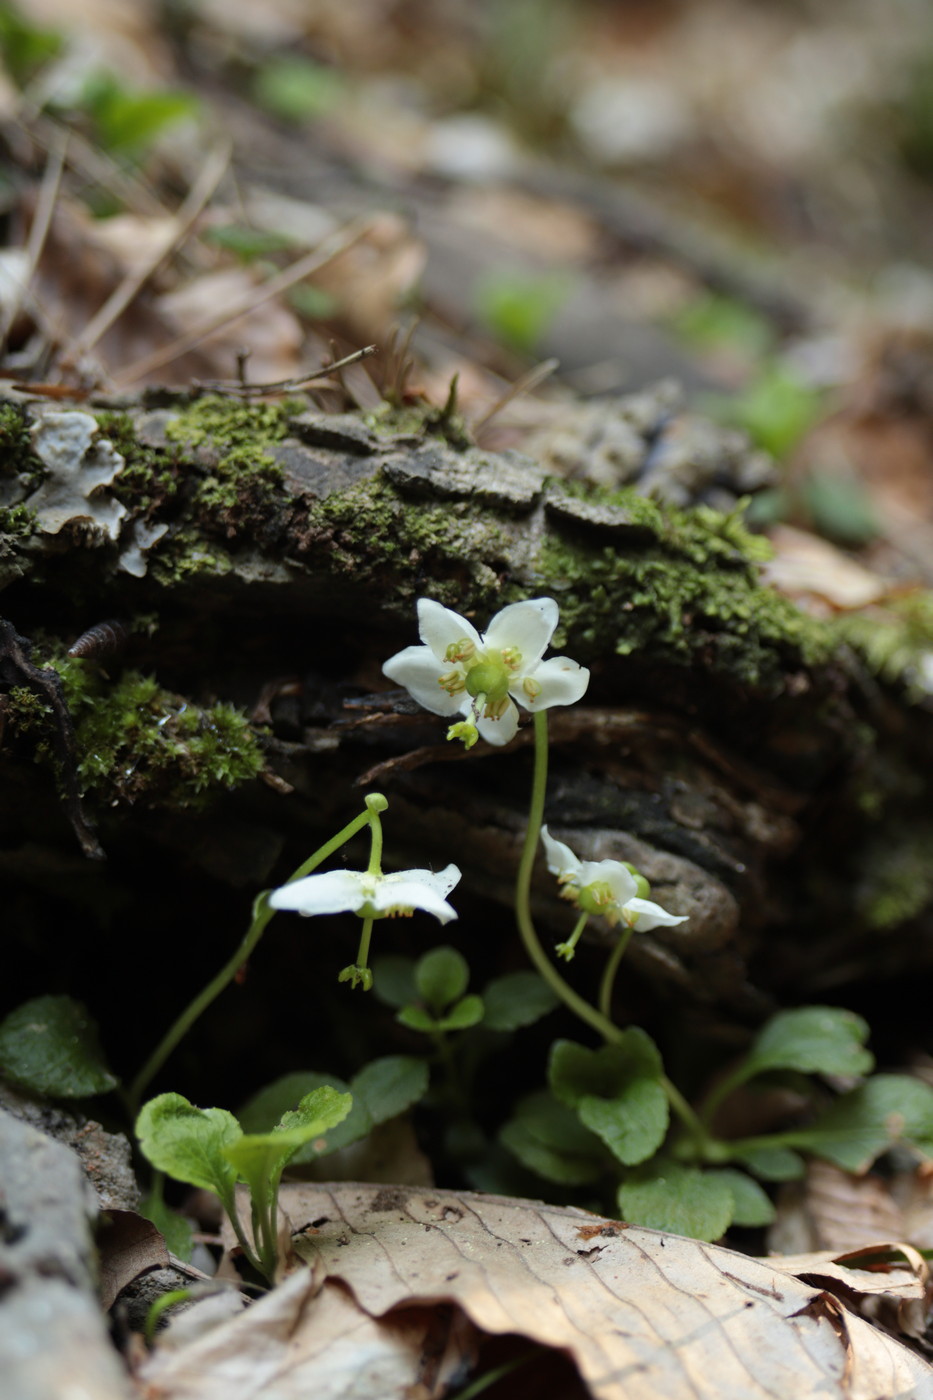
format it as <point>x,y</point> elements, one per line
<point>463,650</point>
<point>452,681</point>
<point>531,687</point>
<point>512,657</point>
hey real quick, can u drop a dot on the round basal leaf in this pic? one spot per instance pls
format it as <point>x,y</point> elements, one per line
<point>683,1200</point>
<point>417,1019</point>
<point>467,1012</point>
<point>753,1206</point>
<point>574,1070</point>
<point>388,1086</point>
<point>812,1040</point>
<point>50,1045</point>
<point>189,1143</point>
<point>394,980</point>
<point>515,1000</point>
<point>633,1124</point>
<point>548,1139</point>
<point>860,1125</point>
<point>773,1163</point>
<point>441,977</point>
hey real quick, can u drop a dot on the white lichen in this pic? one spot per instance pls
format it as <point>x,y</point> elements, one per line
<point>79,467</point>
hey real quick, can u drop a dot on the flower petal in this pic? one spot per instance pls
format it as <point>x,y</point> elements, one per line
<point>335,892</point>
<point>499,731</point>
<point>620,880</point>
<point>562,682</point>
<point>649,915</point>
<point>439,626</point>
<point>527,626</point>
<point>401,893</point>
<point>560,858</point>
<point>440,881</point>
<point>417,669</point>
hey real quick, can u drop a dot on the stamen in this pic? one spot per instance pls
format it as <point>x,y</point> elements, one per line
<point>531,687</point>
<point>463,650</point>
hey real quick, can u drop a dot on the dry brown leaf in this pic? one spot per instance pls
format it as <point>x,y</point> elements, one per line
<point>831,1209</point>
<point>309,1337</point>
<point>128,1245</point>
<point>641,1313</point>
<point>813,571</point>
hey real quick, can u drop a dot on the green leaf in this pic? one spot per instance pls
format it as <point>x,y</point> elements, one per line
<point>189,1143</point>
<point>128,121</point>
<point>862,1124</point>
<point>390,1085</point>
<point>753,1206</point>
<point>616,1091</point>
<point>812,1040</point>
<point>517,999</point>
<point>518,306</point>
<point>247,243</point>
<point>296,88</point>
<point>174,1227</point>
<point>772,1163</point>
<point>549,1139</point>
<point>50,1045</point>
<point>261,1113</point>
<point>665,1195</point>
<point>260,1158</point>
<point>441,977</point>
<point>394,980</point>
<point>417,1019</point>
<point>467,1012</point>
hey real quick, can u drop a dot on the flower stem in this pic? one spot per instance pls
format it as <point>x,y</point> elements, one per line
<point>262,913</point>
<point>526,927</point>
<point>362,956</point>
<point>612,967</point>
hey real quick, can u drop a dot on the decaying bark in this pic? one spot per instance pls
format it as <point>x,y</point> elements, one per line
<point>724,746</point>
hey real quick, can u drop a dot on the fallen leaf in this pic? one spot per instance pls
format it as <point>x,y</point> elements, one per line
<point>128,1245</point>
<point>640,1312</point>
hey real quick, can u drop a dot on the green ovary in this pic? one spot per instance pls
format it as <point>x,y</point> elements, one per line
<point>490,677</point>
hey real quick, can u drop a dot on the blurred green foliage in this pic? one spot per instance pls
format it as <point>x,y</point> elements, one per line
<point>297,89</point>
<point>24,47</point>
<point>518,307</point>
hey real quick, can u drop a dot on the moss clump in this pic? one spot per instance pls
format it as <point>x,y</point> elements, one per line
<point>894,641</point>
<point>139,743</point>
<point>16,455</point>
<point>242,483</point>
<point>897,875</point>
<point>151,476</point>
<point>17,525</point>
<point>691,594</point>
<point>452,549</point>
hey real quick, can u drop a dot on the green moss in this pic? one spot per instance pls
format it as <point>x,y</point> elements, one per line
<point>17,526</point>
<point>449,548</point>
<point>186,555</point>
<point>897,878</point>
<point>243,481</point>
<point>691,594</point>
<point>16,455</point>
<point>151,475</point>
<point>894,641</point>
<point>140,744</point>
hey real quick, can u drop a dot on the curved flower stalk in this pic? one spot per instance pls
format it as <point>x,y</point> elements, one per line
<point>485,677</point>
<point>604,887</point>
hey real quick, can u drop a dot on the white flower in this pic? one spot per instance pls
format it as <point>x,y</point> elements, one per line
<point>605,887</point>
<point>458,671</point>
<point>370,896</point>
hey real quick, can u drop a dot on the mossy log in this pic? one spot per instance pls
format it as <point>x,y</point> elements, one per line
<point>263,561</point>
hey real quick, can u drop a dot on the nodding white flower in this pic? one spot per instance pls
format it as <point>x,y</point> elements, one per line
<point>371,896</point>
<point>605,887</point>
<point>459,671</point>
